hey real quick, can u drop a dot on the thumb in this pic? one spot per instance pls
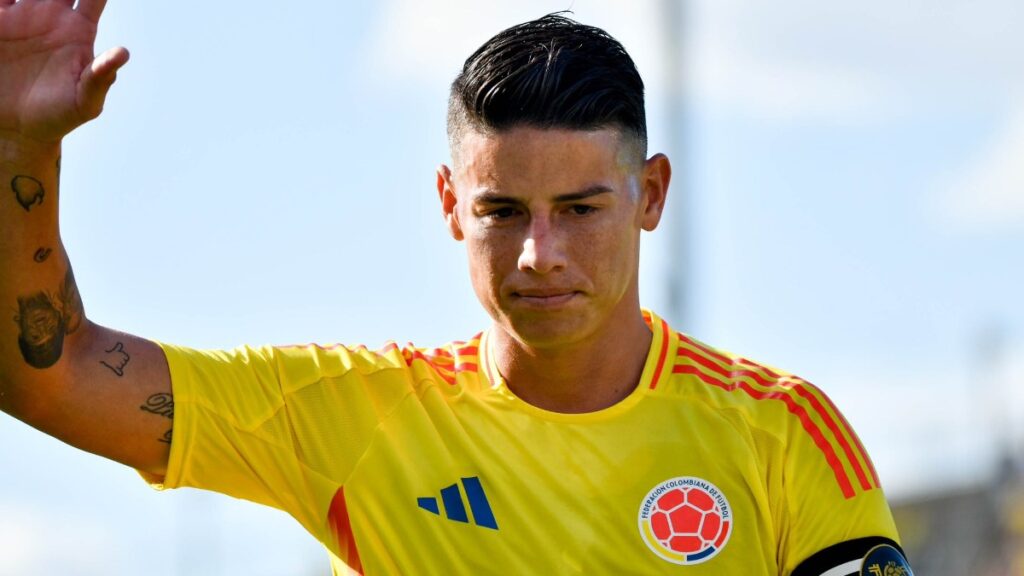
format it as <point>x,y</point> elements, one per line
<point>96,80</point>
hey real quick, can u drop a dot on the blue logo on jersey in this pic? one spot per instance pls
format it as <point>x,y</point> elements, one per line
<point>885,560</point>
<point>455,508</point>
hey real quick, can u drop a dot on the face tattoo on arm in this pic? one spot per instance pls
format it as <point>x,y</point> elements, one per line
<point>44,320</point>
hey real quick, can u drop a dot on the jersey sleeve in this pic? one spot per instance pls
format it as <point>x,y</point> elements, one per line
<point>282,427</point>
<point>834,510</point>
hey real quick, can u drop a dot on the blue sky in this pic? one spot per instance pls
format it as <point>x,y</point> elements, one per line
<point>265,175</point>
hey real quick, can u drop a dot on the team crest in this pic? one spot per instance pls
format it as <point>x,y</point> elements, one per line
<point>685,520</point>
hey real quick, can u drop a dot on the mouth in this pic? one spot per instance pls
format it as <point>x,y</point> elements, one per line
<point>545,298</point>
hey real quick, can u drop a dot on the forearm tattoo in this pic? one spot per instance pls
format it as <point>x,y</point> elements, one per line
<point>117,358</point>
<point>44,319</point>
<point>166,439</point>
<point>28,191</point>
<point>42,254</point>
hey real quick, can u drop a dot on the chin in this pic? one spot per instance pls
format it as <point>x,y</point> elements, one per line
<point>549,330</point>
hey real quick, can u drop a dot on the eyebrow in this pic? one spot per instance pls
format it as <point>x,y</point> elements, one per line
<point>490,197</point>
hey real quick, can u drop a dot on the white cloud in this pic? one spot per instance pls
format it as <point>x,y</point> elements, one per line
<point>854,62</point>
<point>987,193</point>
<point>35,543</point>
<point>791,60</point>
<point>428,42</point>
<point>784,90</point>
<point>762,61</point>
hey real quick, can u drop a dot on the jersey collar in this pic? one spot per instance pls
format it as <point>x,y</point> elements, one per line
<point>659,355</point>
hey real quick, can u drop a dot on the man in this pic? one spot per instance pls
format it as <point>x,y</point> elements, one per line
<point>578,434</point>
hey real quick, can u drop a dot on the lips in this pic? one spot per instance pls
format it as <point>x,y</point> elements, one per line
<point>545,297</point>
<point>543,292</point>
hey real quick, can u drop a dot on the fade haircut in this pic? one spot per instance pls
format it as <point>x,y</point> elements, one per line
<point>552,72</point>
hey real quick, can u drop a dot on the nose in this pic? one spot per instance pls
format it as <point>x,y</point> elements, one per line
<point>543,249</point>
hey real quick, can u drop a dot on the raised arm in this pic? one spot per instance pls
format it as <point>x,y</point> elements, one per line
<point>92,387</point>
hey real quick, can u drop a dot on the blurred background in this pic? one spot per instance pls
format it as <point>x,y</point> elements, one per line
<point>847,204</point>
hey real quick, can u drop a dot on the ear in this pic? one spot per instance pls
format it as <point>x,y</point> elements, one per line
<point>446,193</point>
<point>655,178</point>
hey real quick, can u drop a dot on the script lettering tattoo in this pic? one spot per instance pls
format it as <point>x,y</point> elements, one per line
<point>160,404</point>
<point>44,319</point>
<point>118,359</point>
<point>42,254</point>
<point>28,191</point>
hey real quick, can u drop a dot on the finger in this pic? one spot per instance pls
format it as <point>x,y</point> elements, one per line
<point>109,61</point>
<point>91,9</point>
<point>96,80</point>
<point>68,3</point>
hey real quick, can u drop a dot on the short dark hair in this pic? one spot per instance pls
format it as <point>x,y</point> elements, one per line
<point>552,72</point>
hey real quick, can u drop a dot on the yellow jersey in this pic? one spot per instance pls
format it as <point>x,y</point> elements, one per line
<point>412,460</point>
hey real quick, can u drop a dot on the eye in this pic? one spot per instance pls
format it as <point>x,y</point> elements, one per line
<point>583,209</point>
<point>503,213</point>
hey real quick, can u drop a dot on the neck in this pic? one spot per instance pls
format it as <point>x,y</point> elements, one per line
<point>586,376</point>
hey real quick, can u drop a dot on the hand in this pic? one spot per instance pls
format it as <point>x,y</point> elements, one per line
<point>50,82</point>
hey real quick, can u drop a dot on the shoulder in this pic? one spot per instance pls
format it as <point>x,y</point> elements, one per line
<point>821,469</point>
<point>797,414</point>
<point>768,397</point>
<point>409,362</point>
<point>292,367</point>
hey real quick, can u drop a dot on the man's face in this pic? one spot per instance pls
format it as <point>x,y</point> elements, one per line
<point>552,219</point>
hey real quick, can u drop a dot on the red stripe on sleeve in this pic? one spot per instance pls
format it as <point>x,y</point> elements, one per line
<point>810,397</point>
<point>710,352</point>
<point>441,368</point>
<point>797,410</point>
<point>856,440</point>
<point>338,520</point>
<point>800,389</point>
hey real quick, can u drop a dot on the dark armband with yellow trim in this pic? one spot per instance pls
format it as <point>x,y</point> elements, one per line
<point>872,556</point>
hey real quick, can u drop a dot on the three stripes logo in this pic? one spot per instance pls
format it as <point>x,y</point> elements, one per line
<point>455,507</point>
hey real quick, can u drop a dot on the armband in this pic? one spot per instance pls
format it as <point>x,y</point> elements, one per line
<point>873,556</point>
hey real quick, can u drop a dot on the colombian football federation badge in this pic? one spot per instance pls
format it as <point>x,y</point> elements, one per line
<point>685,520</point>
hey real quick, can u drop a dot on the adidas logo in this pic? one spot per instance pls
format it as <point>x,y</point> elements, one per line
<point>455,507</point>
